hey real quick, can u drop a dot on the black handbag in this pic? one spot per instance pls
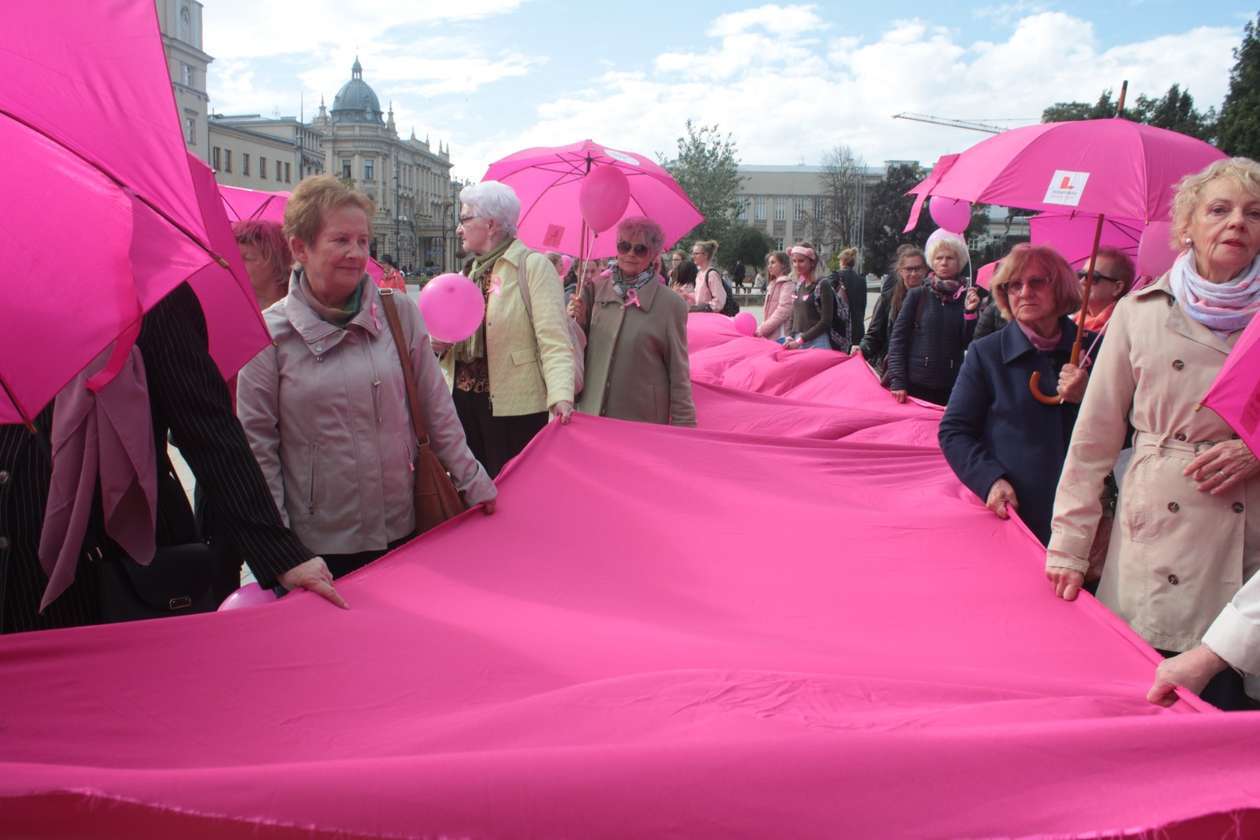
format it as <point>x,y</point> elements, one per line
<point>179,581</point>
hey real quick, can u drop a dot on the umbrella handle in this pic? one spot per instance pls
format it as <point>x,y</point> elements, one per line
<point>1034,381</point>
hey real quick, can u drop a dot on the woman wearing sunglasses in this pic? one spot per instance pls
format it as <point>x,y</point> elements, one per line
<point>636,348</point>
<point>1113,276</point>
<point>1007,447</point>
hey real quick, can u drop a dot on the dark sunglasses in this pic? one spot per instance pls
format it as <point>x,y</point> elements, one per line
<point>1032,284</point>
<point>624,247</point>
<point>1081,275</point>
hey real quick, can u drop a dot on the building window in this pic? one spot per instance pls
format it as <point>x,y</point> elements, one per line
<point>760,211</point>
<point>799,213</point>
<point>345,169</point>
<point>742,214</point>
<point>245,163</point>
<point>227,160</point>
<point>277,172</point>
<point>190,124</point>
<point>780,209</point>
<point>214,158</point>
<point>288,174</point>
<point>369,170</point>
<point>262,167</point>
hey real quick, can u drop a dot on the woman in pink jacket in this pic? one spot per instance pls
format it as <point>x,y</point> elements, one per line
<point>779,297</point>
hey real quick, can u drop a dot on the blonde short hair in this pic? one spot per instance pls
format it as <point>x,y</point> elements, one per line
<point>1067,291</point>
<point>313,199</point>
<point>848,257</point>
<point>1189,191</point>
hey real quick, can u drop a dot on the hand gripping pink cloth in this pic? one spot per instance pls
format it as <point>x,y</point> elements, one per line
<point>850,646</point>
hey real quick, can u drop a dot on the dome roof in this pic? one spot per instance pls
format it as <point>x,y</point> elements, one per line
<point>356,102</point>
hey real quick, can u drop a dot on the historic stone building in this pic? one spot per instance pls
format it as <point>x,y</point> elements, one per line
<point>409,181</point>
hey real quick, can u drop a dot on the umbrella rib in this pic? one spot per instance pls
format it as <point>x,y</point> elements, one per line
<point>121,185</point>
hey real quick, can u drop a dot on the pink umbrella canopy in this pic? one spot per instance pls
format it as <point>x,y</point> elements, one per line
<point>1072,234</point>
<point>111,217</point>
<point>549,180</point>
<point>1235,395</point>
<point>1111,166</point>
<point>241,204</point>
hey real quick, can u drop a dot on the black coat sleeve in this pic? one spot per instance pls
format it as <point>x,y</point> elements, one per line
<point>190,398</point>
<point>875,342</point>
<point>961,432</point>
<point>899,341</point>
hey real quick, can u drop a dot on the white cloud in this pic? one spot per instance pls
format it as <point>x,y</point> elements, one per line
<point>800,97</point>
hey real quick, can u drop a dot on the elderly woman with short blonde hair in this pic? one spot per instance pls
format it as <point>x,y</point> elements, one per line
<point>325,405</point>
<point>637,367</point>
<point>933,328</point>
<point>518,366</point>
<point>1187,531</point>
<point>1000,441</point>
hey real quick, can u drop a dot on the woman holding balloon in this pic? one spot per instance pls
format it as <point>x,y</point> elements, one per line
<point>325,406</point>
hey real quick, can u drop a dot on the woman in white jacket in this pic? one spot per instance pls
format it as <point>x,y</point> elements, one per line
<point>325,407</point>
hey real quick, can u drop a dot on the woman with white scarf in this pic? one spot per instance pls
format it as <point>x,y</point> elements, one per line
<point>1187,531</point>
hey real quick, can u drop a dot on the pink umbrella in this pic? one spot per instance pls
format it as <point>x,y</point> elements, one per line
<point>548,181</point>
<point>984,274</point>
<point>242,204</point>
<point>1101,168</point>
<point>1235,395</point>
<point>1072,234</point>
<point>108,215</point>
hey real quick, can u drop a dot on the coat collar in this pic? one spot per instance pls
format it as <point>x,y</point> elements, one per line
<point>1015,344</point>
<point>1181,323</point>
<point>318,334</point>
<point>604,293</point>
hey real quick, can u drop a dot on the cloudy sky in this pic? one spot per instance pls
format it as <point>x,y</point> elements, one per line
<point>789,81</point>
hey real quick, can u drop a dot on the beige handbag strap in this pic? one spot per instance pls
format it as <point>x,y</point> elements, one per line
<point>404,358</point>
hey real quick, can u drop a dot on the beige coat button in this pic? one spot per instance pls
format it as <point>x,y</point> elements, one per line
<point>1178,364</point>
<point>1174,580</point>
<point>1174,507</point>
<point>1238,507</point>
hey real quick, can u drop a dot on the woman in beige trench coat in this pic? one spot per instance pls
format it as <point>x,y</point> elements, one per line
<point>637,366</point>
<point>1187,531</point>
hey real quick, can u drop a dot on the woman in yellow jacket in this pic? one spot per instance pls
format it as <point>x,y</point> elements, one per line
<point>519,365</point>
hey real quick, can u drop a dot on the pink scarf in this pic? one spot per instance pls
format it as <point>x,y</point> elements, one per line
<point>1043,344</point>
<point>100,432</point>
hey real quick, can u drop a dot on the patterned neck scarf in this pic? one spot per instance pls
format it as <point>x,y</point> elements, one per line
<point>628,288</point>
<point>946,289</point>
<point>1221,307</point>
<point>474,347</point>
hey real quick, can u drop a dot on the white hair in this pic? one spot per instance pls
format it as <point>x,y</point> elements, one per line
<point>954,243</point>
<point>495,201</point>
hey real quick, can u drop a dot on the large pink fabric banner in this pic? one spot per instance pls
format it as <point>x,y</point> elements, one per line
<point>792,621</point>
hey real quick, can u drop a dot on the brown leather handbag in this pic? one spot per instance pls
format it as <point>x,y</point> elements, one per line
<point>435,497</point>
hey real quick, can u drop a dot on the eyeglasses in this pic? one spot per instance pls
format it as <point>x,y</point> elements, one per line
<point>914,269</point>
<point>624,247</point>
<point>1081,275</point>
<point>463,220</point>
<point>1032,284</point>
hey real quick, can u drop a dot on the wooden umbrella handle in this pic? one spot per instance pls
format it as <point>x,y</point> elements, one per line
<point>1034,381</point>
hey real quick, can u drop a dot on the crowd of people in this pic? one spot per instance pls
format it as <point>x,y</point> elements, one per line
<point>305,462</point>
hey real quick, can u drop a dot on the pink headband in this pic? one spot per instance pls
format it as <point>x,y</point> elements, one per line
<point>803,251</point>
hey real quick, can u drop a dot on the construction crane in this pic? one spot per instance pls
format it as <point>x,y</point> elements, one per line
<point>987,128</point>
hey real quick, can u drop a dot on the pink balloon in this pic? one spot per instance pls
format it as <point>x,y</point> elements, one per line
<point>249,595</point>
<point>452,307</point>
<point>745,323</point>
<point>953,214</point>
<point>1155,254</point>
<point>603,198</point>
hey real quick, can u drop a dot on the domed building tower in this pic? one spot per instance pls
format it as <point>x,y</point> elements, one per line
<point>408,181</point>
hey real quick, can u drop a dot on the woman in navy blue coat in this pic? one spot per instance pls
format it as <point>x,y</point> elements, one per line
<point>1003,444</point>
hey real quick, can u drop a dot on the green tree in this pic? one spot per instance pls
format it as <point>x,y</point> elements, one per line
<point>1238,129</point>
<point>887,209</point>
<point>749,245</point>
<point>1065,111</point>
<point>706,166</point>
<point>1175,110</point>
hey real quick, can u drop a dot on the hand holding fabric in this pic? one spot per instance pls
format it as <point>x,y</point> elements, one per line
<point>1223,467</point>
<point>1002,498</point>
<point>1067,582</point>
<point>1072,382</point>
<point>899,394</point>
<point>1190,670</point>
<point>315,576</point>
<point>563,411</point>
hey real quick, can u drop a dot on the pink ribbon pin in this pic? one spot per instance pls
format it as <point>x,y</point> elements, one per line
<point>632,299</point>
<point>496,283</point>
<point>375,320</point>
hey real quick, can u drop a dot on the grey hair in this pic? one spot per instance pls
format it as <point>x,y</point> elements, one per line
<point>495,201</point>
<point>957,246</point>
<point>653,236</point>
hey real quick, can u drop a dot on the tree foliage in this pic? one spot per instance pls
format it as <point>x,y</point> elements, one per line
<point>706,166</point>
<point>1175,110</point>
<point>749,245</point>
<point>887,209</point>
<point>1238,128</point>
<point>837,221</point>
